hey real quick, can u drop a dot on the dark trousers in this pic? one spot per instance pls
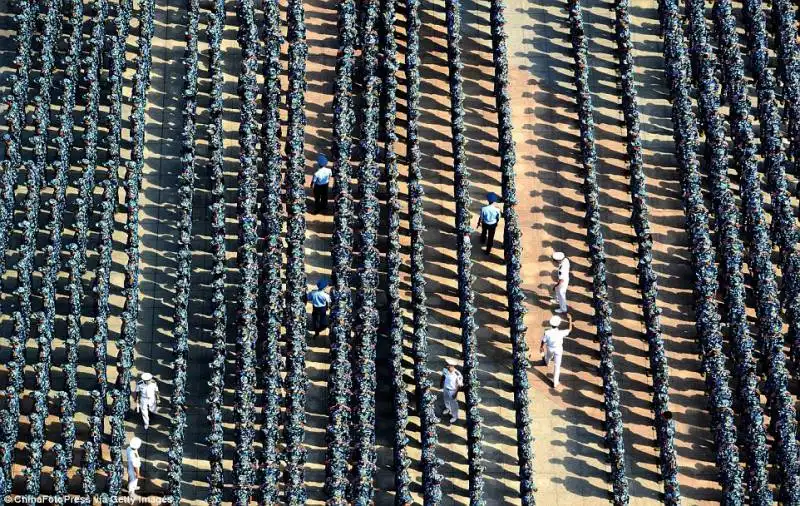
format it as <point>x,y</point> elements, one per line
<point>320,197</point>
<point>318,317</point>
<point>487,236</point>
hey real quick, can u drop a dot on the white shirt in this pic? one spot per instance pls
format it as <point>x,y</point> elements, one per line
<point>554,339</point>
<point>148,392</point>
<point>322,176</point>
<point>134,463</point>
<point>563,271</point>
<point>452,380</point>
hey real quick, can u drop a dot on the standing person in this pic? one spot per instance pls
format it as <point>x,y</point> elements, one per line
<point>452,381</point>
<point>134,465</point>
<point>553,342</point>
<point>563,281</point>
<point>320,300</point>
<point>490,216</point>
<point>319,183</point>
<point>146,395</point>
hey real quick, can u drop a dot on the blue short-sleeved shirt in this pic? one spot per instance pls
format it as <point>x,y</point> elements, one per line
<point>319,298</point>
<point>490,215</point>
<point>322,176</point>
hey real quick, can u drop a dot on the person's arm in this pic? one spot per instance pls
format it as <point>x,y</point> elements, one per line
<point>138,472</point>
<point>441,382</point>
<point>569,319</point>
<point>541,344</point>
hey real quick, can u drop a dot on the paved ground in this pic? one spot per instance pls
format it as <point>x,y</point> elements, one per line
<point>570,463</point>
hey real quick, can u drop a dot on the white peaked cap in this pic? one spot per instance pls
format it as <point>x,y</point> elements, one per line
<point>555,321</point>
<point>450,361</point>
<point>136,443</point>
<point>558,256</point>
<point>146,376</point>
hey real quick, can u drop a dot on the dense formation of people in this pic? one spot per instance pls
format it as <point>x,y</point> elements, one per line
<point>219,313</point>
<point>180,319</point>
<point>247,256</point>
<point>702,254</point>
<point>759,245</point>
<point>272,322</point>
<point>727,217</point>
<point>340,386</point>
<point>595,243</point>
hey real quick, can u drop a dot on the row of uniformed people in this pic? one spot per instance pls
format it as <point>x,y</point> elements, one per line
<point>146,393</point>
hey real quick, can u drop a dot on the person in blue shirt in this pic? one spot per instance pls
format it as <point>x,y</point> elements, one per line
<point>320,300</point>
<point>488,220</point>
<point>319,184</point>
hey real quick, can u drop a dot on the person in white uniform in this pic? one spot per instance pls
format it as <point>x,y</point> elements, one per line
<point>146,395</point>
<point>553,346</point>
<point>134,465</point>
<point>452,381</point>
<point>563,281</point>
<point>320,182</point>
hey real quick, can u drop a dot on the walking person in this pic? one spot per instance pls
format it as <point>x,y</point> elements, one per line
<point>320,182</point>
<point>488,219</point>
<point>146,396</point>
<point>563,281</point>
<point>553,346</point>
<point>320,300</point>
<point>134,466</point>
<point>452,382</point>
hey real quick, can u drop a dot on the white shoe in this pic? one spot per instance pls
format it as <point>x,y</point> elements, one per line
<point>446,412</point>
<point>453,419</point>
<point>560,311</point>
<point>146,426</point>
<point>556,385</point>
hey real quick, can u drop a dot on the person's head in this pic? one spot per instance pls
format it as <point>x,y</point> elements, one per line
<point>146,376</point>
<point>136,443</point>
<point>492,197</point>
<point>451,364</point>
<point>322,284</point>
<point>322,160</point>
<point>555,321</point>
<point>558,256</point>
